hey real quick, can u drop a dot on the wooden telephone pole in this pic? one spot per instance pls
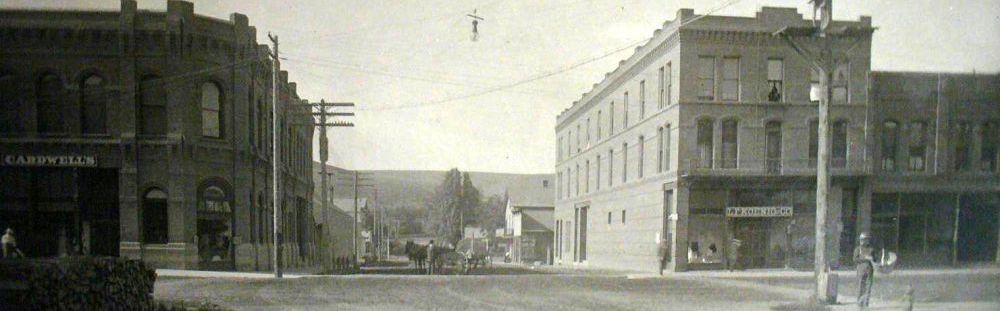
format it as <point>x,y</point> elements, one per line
<point>824,47</point>
<point>323,112</point>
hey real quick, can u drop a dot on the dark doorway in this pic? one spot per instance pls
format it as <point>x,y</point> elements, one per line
<point>753,235</point>
<point>977,227</point>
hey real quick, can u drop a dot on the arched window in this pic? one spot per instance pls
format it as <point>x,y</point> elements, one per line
<point>154,217</point>
<point>211,110</point>
<point>705,149</point>
<point>152,107</point>
<point>730,143</point>
<point>918,146</point>
<point>838,145</point>
<point>92,99</point>
<point>772,146</point>
<point>49,112</point>
<point>9,105</point>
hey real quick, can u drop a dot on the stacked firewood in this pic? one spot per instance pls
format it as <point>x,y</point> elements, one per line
<point>77,283</point>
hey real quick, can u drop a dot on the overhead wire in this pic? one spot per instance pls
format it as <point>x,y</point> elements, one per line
<point>544,74</point>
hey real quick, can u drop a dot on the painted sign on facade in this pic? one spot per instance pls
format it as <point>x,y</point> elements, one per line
<point>49,160</point>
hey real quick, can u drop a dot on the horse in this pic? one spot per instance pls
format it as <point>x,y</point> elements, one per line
<point>417,254</point>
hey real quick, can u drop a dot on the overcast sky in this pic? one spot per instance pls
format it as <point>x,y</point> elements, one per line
<point>457,109</point>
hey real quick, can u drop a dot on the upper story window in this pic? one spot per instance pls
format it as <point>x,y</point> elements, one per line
<point>597,181</point>
<point>706,131</point>
<point>642,99</point>
<point>624,162</point>
<point>586,177</point>
<point>578,139</point>
<point>665,148</point>
<point>841,83</point>
<point>664,92</point>
<point>772,146</point>
<point>587,125</point>
<point>775,79</point>
<point>9,104</point>
<point>93,114</point>
<point>48,92</point>
<point>838,145</point>
<point>598,125</point>
<point>706,78</point>
<point>611,167</point>
<point>625,111</point>
<point>559,177</point>
<point>611,119</point>
<point>815,88</point>
<point>730,143</point>
<point>642,155</point>
<point>890,145</point>
<point>211,110</point>
<point>917,146</point>
<point>152,107</point>
<point>989,159</point>
<point>963,137</point>
<point>731,78</point>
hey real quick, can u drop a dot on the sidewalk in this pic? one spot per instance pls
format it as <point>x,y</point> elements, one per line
<point>230,274</point>
<point>790,283</point>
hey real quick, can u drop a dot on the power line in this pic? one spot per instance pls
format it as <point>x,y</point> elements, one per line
<point>542,75</point>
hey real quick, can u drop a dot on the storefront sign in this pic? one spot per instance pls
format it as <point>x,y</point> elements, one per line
<point>47,160</point>
<point>759,211</point>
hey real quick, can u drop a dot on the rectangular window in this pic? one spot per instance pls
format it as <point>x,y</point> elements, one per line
<point>813,142</point>
<point>661,84</point>
<point>588,131</point>
<point>706,150</point>
<point>579,138</point>
<point>730,143</point>
<point>659,150</point>
<point>586,178</point>
<point>624,162</point>
<point>559,178</point>
<point>666,148</point>
<point>775,80</point>
<point>917,146</point>
<point>838,144</point>
<point>815,89</point>
<point>963,134</point>
<point>576,188</point>
<point>841,80</point>
<point>559,149</point>
<point>598,177</point>
<point>668,76</point>
<point>706,78</point>
<point>642,155</point>
<point>642,99</point>
<point>611,167</point>
<point>609,218</point>
<point>623,217</point>
<point>569,180</point>
<point>611,119</point>
<point>598,125</point>
<point>731,78</point>
<point>625,111</point>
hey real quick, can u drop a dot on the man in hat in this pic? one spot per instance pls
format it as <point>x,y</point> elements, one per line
<point>430,257</point>
<point>865,260</point>
<point>10,245</point>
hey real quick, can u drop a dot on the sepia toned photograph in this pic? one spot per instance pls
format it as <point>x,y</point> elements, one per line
<point>186,155</point>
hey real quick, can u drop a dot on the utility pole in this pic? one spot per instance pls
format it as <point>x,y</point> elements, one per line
<point>824,57</point>
<point>322,111</point>
<point>274,160</point>
<point>355,182</point>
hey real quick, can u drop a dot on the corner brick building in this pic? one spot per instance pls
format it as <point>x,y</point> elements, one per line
<point>708,133</point>
<point>148,135</point>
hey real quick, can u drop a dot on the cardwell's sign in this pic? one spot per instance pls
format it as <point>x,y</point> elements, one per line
<point>759,211</point>
<point>47,160</point>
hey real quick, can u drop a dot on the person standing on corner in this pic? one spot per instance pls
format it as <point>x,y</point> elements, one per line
<point>662,251</point>
<point>10,245</point>
<point>733,253</point>
<point>430,258</point>
<point>865,261</point>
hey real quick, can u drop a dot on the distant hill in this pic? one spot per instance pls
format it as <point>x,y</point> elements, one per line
<point>408,189</point>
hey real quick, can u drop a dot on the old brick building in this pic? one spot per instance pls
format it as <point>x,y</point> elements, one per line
<point>708,133</point>
<point>148,135</point>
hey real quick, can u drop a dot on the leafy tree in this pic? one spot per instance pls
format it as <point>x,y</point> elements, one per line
<point>492,213</point>
<point>454,205</point>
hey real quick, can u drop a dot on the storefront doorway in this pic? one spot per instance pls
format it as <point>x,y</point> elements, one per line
<point>61,211</point>
<point>215,223</point>
<point>977,227</point>
<point>753,234</point>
